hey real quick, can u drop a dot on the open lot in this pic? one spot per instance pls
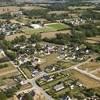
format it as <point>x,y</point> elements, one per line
<point>86,80</point>
<point>48,60</point>
<point>58,12</point>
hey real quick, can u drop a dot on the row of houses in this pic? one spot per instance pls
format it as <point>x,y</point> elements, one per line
<point>9,28</point>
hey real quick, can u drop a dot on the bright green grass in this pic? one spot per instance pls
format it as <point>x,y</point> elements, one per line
<point>58,26</point>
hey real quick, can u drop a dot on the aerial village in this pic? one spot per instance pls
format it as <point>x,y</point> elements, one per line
<point>50,52</point>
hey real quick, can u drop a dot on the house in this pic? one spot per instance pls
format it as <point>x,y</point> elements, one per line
<point>71,87</point>
<point>65,98</point>
<point>34,72</point>
<point>23,59</point>
<point>47,78</point>
<point>23,82</point>
<point>35,61</point>
<point>2,52</point>
<point>35,26</point>
<point>59,87</point>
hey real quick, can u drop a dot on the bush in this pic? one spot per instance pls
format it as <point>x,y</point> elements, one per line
<point>3,65</point>
<point>98,59</point>
<point>2,96</point>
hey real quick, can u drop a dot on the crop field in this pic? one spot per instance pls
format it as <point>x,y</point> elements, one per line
<point>81,7</point>
<point>7,69</point>
<point>53,34</point>
<point>90,66</point>
<point>86,80</point>
<point>93,39</point>
<point>15,8</point>
<point>6,75</point>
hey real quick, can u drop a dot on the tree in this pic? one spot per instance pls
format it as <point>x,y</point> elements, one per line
<point>78,37</point>
<point>98,58</point>
<point>35,38</point>
<point>27,97</point>
<point>3,96</point>
<point>22,38</point>
<point>38,47</point>
<point>10,92</point>
<point>2,36</point>
<point>12,55</point>
<point>5,44</point>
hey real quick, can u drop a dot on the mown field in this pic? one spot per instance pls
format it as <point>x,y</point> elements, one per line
<point>58,26</point>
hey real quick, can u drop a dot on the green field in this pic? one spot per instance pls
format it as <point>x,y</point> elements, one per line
<point>48,28</point>
<point>28,30</point>
<point>58,26</point>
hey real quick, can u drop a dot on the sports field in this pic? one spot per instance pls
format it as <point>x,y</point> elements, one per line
<point>52,27</point>
<point>58,26</point>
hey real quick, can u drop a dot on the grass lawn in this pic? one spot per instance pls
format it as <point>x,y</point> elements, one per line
<point>58,26</point>
<point>87,81</point>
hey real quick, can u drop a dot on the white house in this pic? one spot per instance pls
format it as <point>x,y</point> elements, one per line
<point>59,87</point>
<point>36,26</point>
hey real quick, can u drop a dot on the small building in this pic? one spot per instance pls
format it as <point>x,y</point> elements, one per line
<point>35,26</point>
<point>47,78</point>
<point>59,87</point>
